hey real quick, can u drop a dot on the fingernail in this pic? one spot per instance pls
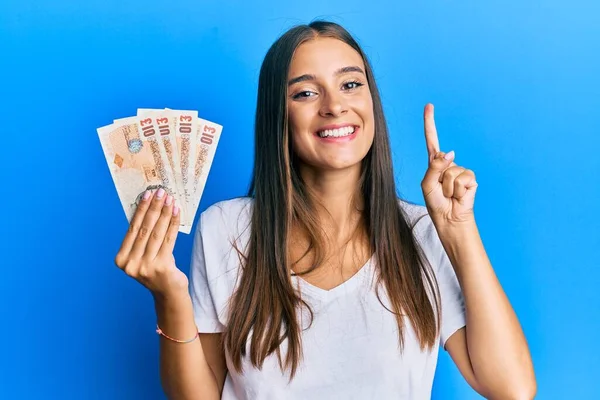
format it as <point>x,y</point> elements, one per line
<point>175,210</point>
<point>146,195</point>
<point>160,193</point>
<point>169,200</point>
<point>449,156</point>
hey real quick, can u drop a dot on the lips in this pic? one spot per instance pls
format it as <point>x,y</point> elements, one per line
<point>337,133</point>
<point>336,129</point>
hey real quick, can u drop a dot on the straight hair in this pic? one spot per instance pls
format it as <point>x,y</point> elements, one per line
<point>264,307</point>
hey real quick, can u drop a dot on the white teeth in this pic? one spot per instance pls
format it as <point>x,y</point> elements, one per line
<point>345,131</point>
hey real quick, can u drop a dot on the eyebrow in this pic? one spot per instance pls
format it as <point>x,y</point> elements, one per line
<point>309,77</point>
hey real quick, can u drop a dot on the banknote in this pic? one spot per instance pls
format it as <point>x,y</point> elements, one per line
<point>135,162</point>
<point>168,148</point>
<point>207,138</point>
<point>166,124</point>
<point>186,122</point>
<point>185,129</point>
<point>149,124</point>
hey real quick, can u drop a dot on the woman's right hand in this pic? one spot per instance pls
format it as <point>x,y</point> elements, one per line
<point>146,253</point>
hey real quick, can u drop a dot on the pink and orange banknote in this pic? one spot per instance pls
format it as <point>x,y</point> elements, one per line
<point>161,148</point>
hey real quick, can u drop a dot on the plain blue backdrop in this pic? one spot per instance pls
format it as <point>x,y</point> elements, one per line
<point>515,85</point>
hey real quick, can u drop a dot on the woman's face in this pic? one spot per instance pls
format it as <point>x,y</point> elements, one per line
<point>329,105</point>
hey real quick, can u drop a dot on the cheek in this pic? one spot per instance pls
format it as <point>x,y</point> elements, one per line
<point>300,141</point>
<point>300,116</point>
<point>300,122</point>
<point>368,108</point>
<point>363,105</point>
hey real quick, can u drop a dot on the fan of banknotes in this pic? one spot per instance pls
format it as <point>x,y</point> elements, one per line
<point>169,149</point>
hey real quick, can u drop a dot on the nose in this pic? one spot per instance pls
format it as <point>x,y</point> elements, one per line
<point>333,105</point>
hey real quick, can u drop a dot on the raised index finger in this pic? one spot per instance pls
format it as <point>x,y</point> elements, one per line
<point>431,137</point>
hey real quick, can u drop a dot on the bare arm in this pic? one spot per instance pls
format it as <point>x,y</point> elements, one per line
<point>213,351</point>
<point>185,368</point>
<point>491,352</point>
<point>146,255</point>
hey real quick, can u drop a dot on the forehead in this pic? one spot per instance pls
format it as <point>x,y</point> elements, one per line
<point>323,56</point>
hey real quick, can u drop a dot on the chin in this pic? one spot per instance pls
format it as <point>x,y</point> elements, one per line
<point>340,165</point>
<point>332,160</point>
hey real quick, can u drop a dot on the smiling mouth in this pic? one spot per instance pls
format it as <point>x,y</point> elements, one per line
<point>337,133</point>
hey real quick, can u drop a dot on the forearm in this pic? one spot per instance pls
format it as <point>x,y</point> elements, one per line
<point>184,371</point>
<point>496,344</point>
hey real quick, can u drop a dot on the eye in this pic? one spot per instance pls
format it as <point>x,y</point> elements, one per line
<point>352,85</point>
<point>303,94</point>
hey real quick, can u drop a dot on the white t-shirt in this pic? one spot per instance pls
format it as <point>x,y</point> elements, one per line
<point>351,351</point>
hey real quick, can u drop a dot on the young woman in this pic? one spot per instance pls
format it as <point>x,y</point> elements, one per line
<point>322,283</point>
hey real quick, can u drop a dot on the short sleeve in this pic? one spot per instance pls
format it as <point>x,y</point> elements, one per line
<point>202,289</point>
<point>451,296</point>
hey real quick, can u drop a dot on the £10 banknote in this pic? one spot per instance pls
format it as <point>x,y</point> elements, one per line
<point>161,148</point>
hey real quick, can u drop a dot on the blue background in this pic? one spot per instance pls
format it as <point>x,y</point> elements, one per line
<point>515,87</point>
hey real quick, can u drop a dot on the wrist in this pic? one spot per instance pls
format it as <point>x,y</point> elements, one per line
<point>172,302</point>
<point>461,242</point>
<point>175,314</point>
<point>172,295</point>
<point>449,230</point>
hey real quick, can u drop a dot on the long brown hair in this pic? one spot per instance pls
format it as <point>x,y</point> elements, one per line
<point>264,307</point>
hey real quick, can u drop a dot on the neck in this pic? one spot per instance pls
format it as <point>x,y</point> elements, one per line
<point>335,192</point>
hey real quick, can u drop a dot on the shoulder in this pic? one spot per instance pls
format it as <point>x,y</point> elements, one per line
<point>220,238</point>
<point>422,226</point>
<point>415,214</point>
<point>222,231</point>
<point>231,217</point>
<point>228,209</point>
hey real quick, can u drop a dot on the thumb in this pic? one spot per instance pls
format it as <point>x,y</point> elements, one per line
<point>439,163</point>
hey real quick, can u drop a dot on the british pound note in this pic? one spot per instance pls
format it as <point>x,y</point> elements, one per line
<point>185,129</point>
<point>135,162</point>
<point>207,138</point>
<point>185,124</point>
<point>166,123</point>
<point>148,126</point>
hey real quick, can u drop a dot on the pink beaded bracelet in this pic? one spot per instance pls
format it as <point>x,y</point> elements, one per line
<point>160,332</point>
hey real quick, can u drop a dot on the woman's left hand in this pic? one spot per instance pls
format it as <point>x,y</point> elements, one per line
<point>449,190</point>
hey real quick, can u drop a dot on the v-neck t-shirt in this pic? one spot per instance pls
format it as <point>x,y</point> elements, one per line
<point>351,349</point>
